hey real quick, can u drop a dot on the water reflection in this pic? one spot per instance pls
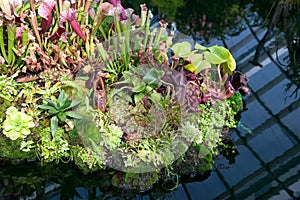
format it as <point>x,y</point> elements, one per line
<point>64,181</point>
<point>268,138</point>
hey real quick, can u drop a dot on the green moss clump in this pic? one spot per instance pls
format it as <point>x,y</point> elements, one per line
<point>10,151</point>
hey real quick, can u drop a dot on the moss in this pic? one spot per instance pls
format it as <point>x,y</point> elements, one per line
<point>10,151</point>
<point>236,102</point>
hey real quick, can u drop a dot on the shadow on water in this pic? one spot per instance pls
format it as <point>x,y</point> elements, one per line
<point>263,161</point>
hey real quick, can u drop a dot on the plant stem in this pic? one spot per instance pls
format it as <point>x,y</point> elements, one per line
<point>117,25</point>
<point>98,25</point>
<point>35,26</point>
<point>156,41</point>
<point>147,28</point>
<point>57,7</point>
<point>137,42</point>
<point>60,5</point>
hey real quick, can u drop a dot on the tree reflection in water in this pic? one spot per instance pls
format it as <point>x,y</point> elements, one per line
<point>283,17</point>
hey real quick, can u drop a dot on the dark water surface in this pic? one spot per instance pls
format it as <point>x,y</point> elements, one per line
<point>267,139</point>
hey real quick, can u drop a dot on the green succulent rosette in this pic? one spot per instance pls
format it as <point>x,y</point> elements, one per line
<point>17,124</point>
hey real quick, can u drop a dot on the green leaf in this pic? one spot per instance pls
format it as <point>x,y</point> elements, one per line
<point>231,63</point>
<point>182,49</point>
<point>190,67</point>
<point>198,63</point>
<point>70,104</point>
<point>25,37</point>
<point>213,58</point>
<point>153,76</point>
<point>201,66</point>
<point>127,76</point>
<point>53,111</point>
<point>51,103</point>
<point>138,97</point>
<point>53,125</point>
<point>139,88</point>
<point>74,115</point>
<point>135,81</point>
<point>220,51</point>
<point>62,116</point>
<point>75,103</point>
<point>217,55</point>
<point>229,66</point>
<point>2,47</point>
<point>72,83</point>
<point>155,97</point>
<point>149,88</point>
<point>11,31</point>
<point>45,107</point>
<point>200,47</point>
<point>65,106</point>
<point>62,98</point>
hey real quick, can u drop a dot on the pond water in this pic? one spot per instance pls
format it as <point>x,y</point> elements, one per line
<point>267,138</point>
<point>267,141</point>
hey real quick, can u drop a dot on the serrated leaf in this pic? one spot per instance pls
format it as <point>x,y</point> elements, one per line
<point>182,49</point>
